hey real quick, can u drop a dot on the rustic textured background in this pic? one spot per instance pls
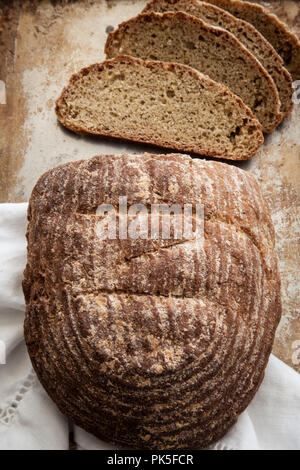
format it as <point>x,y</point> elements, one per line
<point>43,42</point>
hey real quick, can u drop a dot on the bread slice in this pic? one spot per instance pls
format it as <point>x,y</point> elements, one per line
<point>169,105</point>
<point>275,31</point>
<point>245,33</point>
<point>179,37</point>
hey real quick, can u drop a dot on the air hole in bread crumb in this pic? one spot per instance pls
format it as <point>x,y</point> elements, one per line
<point>251,129</point>
<point>170,93</point>
<point>190,45</point>
<point>235,133</point>
<point>120,76</point>
<point>258,102</point>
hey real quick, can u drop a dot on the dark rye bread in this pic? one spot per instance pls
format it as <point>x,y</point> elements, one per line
<point>275,31</point>
<point>168,105</point>
<point>149,343</point>
<point>179,37</point>
<point>245,33</point>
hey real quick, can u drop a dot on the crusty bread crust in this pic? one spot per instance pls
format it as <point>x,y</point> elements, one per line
<point>252,39</point>
<point>149,343</point>
<point>121,42</point>
<point>254,141</point>
<point>275,31</point>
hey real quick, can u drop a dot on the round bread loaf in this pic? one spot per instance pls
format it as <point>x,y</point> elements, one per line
<point>150,343</point>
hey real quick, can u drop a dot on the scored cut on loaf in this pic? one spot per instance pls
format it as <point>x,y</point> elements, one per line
<point>168,105</point>
<point>245,33</point>
<point>179,37</point>
<point>150,343</point>
<point>284,41</point>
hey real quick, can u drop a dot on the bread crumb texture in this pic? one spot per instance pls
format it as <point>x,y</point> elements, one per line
<point>183,38</point>
<point>252,39</point>
<point>275,31</point>
<point>169,105</point>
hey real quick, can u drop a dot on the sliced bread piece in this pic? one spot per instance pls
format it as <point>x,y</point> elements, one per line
<point>164,104</point>
<point>183,38</point>
<point>245,33</point>
<point>275,31</point>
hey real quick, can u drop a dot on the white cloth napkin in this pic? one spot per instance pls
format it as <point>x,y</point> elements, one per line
<point>30,420</point>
